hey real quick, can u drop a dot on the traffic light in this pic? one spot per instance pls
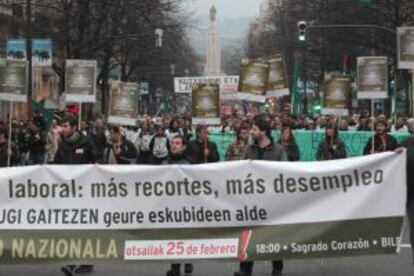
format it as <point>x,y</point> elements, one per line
<point>302,26</point>
<point>316,106</point>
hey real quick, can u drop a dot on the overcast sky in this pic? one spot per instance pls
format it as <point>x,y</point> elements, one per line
<point>226,8</point>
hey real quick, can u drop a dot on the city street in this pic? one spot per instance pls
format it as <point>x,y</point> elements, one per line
<point>138,134</point>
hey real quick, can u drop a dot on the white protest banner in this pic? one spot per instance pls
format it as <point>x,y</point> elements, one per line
<point>405,47</point>
<point>277,83</point>
<point>336,95</point>
<point>254,75</point>
<point>206,104</point>
<point>372,77</point>
<point>248,210</point>
<point>80,81</point>
<point>13,80</point>
<point>228,84</point>
<point>123,106</point>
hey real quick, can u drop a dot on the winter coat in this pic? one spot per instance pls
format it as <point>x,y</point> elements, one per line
<point>126,156</point>
<point>331,151</point>
<point>77,150</point>
<point>195,151</point>
<point>273,152</point>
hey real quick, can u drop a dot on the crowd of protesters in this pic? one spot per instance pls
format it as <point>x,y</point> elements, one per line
<point>173,140</point>
<point>35,142</point>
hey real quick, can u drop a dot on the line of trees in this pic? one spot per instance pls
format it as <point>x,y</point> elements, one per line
<point>118,34</point>
<point>325,49</point>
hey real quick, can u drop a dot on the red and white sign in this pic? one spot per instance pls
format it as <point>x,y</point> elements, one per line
<point>181,249</point>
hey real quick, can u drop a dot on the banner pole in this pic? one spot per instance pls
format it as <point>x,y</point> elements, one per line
<point>10,135</point>
<point>205,148</point>
<point>394,100</point>
<point>412,93</point>
<point>373,126</point>
<point>80,116</point>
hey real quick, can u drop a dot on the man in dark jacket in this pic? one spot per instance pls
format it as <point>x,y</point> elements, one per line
<point>178,154</point>
<point>409,145</point>
<point>97,134</point>
<point>263,148</point>
<point>40,122</point>
<point>178,157</point>
<point>381,141</point>
<point>36,143</point>
<point>119,150</point>
<point>159,146</point>
<point>201,150</point>
<point>74,149</point>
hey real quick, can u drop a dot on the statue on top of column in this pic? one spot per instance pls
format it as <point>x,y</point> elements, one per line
<point>213,13</point>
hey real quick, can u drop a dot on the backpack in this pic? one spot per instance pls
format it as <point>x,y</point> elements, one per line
<point>160,149</point>
<point>145,142</point>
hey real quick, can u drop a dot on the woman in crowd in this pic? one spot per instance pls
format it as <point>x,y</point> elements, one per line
<point>287,140</point>
<point>145,136</point>
<point>174,129</point>
<point>331,147</point>
<point>236,149</point>
<point>52,141</point>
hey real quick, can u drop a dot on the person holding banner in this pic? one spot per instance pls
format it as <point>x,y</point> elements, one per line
<point>145,135</point>
<point>74,149</point>
<point>52,142</point>
<point>201,150</point>
<point>159,146</point>
<point>236,149</point>
<point>409,145</point>
<point>332,147</point>
<point>287,140</point>
<point>98,136</point>
<point>119,150</point>
<point>263,148</point>
<point>381,141</point>
<point>178,154</point>
<point>178,157</point>
<point>174,129</point>
<point>36,143</point>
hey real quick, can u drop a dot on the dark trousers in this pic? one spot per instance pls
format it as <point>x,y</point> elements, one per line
<point>247,267</point>
<point>410,215</point>
<point>176,268</point>
<point>36,159</point>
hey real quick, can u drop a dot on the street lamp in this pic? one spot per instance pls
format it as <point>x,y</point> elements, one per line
<point>159,33</point>
<point>172,67</point>
<point>29,56</point>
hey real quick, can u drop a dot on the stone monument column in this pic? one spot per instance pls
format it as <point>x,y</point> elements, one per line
<point>213,60</point>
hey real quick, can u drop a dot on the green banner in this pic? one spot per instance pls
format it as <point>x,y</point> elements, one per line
<point>294,241</point>
<point>308,141</point>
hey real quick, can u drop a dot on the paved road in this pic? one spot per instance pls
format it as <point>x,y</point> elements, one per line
<point>392,265</point>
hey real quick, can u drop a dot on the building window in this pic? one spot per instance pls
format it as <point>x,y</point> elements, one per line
<point>17,10</point>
